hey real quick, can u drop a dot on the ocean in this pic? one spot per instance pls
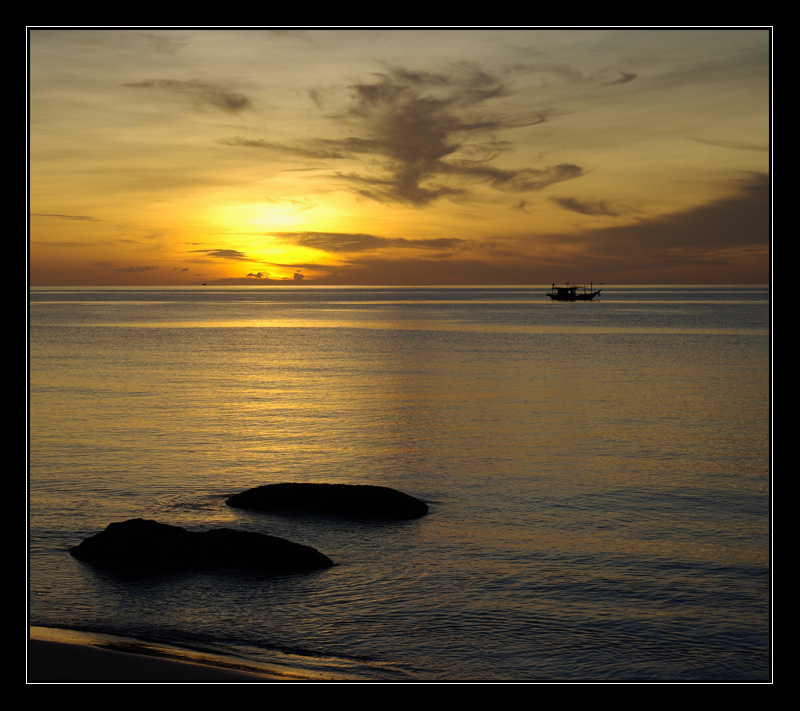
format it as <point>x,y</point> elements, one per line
<point>597,475</point>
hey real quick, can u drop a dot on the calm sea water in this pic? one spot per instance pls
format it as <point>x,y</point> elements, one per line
<point>597,474</point>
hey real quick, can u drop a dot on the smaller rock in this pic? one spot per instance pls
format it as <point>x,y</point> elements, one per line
<point>140,546</point>
<point>350,500</point>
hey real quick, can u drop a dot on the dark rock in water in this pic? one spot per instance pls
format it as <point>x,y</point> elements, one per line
<point>350,500</point>
<point>140,546</point>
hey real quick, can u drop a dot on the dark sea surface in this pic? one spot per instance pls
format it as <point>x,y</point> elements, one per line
<point>598,474</point>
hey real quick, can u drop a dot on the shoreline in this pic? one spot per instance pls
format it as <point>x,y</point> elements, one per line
<point>57,655</point>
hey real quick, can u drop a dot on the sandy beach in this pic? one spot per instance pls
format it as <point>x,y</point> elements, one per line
<point>63,656</point>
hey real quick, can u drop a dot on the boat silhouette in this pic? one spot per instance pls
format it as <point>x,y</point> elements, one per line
<point>572,292</point>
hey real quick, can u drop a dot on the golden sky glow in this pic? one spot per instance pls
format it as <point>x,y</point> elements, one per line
<point>391,156</point>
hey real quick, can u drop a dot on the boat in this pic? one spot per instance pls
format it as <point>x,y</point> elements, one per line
<point>571,292</point>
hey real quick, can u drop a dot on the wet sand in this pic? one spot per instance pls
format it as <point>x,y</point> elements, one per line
<point>62,656</point>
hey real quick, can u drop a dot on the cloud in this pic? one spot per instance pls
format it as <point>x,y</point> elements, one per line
<point>743,218</point>
<point>223,253</point>
<point>731,234</point>
<point>424,135</point>
<point>342,242</point>
<point>64,217</point>
<point>290,34</point>
<point>725,239</point>
<point>624,78</point>
<point>521,180</point>
<point>318,151</point>
<point>161,43</point>
<point>735,145</point>
<point>569,74</point>
<point>297,205</point>
<point>201,94</point>
<point>135,269</point>
<point>421,128</point>
<point>597,208</point>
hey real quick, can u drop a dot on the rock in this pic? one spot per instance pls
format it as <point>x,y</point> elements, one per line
<point>349,500</point>
<point>139,546</point>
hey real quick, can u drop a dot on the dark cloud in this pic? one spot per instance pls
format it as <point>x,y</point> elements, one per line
<point>521,180</point>
<point>624,78</point>
<point>342,242</point>
<point>729,236</point>
<point>64,217</point>
<point>313,150</point>
<point>741,219</point>
<point>381,272</point>
<point>421,136</point>
<point>135,269</point>
<point>598,208</point>
<point>64,245</point>
<point>569,74</point>
<point>726,239</point>
<point>200,93</point>
<point>427,129</point>
<point>223,253</point>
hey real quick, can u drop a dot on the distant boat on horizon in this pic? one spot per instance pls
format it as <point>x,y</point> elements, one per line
<point>569,292</point>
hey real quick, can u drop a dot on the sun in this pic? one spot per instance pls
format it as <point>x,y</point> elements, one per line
<point>261,237</point>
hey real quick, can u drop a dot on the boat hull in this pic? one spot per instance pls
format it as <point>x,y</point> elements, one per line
<point>574,297</point>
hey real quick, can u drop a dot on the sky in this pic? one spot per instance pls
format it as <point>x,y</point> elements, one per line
<point>386,156</point>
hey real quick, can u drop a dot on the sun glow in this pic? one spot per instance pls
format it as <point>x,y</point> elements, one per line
<point>260,236</point>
